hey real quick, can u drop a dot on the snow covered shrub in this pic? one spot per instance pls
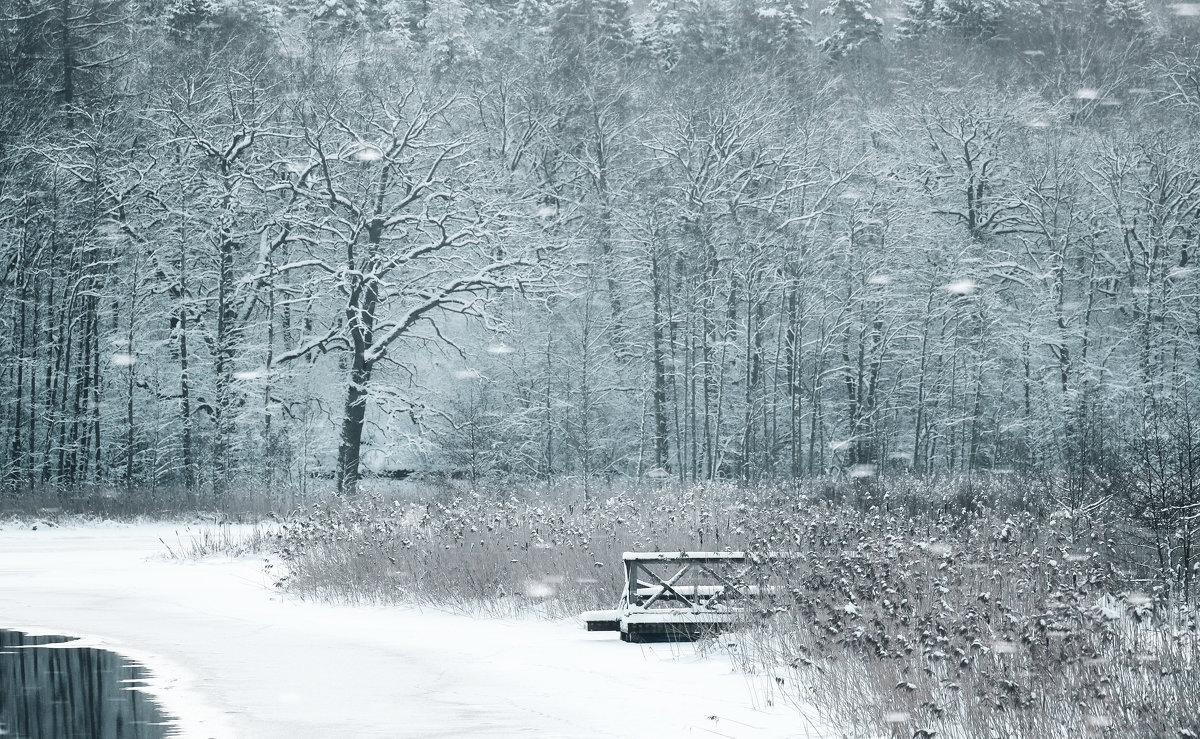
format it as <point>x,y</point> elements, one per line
<point>965,608</point>
<point>495,554</point>
<point>992,624</point>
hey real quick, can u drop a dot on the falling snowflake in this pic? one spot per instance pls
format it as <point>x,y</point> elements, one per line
<point>535,589</point>
<point>961,287</point>
<point>369,154</point>
<point>1000,646</point>
<point>862,470</point>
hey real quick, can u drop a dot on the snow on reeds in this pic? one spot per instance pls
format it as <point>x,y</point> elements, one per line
<point>911,611</point>
<point>194,541</point>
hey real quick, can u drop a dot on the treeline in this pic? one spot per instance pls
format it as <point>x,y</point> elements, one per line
<point>678,240</point>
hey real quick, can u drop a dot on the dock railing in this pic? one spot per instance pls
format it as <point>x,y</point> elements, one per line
<point>681,595</point>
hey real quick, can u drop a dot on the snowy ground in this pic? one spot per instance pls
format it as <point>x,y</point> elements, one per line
<point>235,658</point>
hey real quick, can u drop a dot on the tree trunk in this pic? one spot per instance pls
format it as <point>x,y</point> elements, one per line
<point>360,319</point>
<point>660,372</point>
<point>185,380</point>
<point>223,409</point>
<point>227,320</point>
<point>349,471</point>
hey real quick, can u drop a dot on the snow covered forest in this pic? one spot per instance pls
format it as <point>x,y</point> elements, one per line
<point>270,244</point>
<point>906,290</point>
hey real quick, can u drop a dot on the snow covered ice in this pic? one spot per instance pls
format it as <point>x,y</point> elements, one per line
<point>235,658</point>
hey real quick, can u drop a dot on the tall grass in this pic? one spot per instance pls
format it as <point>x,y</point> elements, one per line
<point>968,608</point>
<point>994,625</point>
<point>221,538</point>
<point>247,500</point>
<point>509,554</point>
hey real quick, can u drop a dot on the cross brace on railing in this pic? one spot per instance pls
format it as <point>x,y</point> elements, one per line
<point>684,594</point>
<point>709,568</point>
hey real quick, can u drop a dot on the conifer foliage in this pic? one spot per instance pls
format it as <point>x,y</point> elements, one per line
<point>856,26</point>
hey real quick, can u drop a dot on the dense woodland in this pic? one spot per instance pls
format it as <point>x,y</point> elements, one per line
<point>748,240</point>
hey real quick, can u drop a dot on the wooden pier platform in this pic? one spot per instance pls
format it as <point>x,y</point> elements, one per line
<point>681,596</point>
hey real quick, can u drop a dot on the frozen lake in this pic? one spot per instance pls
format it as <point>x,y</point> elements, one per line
<point>230,656</point>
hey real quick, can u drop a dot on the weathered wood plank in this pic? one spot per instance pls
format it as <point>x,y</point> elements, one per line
<point>683,556</point>
<point>708,556</point>
<point>602,620</point>
<point>705,591</point>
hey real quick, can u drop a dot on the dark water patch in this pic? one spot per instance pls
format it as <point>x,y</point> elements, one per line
<point>65,692</point>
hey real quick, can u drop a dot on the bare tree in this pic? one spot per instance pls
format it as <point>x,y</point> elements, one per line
<point>403,220</point>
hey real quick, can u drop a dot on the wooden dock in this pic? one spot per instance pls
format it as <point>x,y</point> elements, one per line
<point>681,596</point>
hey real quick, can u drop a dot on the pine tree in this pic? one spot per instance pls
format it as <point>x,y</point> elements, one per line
<point>664,32</point>
<point>976,18</point>
<point>242,23</point>
<point>343,16</point>
<point>1125,16</point>
<point>773,26</point>
<point>444,33</point>
<point>856,27</point>
<point>580,24</point>
<point>537,15</point>
<point>687,29</point>
<point>920,17</point>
